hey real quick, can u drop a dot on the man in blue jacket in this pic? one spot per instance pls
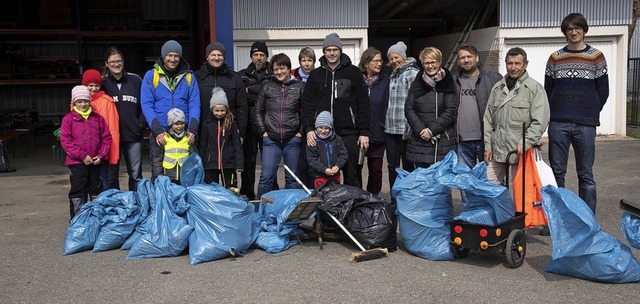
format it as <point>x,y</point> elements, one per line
<point>170,84</point>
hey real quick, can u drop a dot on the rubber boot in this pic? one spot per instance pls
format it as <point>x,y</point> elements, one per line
<point>75,204</point>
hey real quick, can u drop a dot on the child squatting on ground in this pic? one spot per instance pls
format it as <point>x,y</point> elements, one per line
<point>176,148</point>
<point>86,140</point>
<point>220,145</point>
<point>329,154</point>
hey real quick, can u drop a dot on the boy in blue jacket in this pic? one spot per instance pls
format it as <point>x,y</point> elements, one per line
<point>329,155</point>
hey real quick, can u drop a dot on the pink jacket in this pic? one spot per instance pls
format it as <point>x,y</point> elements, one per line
<point>80,137</point>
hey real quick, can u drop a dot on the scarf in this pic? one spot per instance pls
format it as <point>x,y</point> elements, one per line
<point>370,81</point>
<point>431,80</point>
<point>85,114</point>
<point>177,136</point>
<point>303,76</point>
<point>329,135</point>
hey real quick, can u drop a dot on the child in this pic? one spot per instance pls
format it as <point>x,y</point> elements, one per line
<point>86,140</point>
<point>176,148</point>
<point>329,153</point>
<point>220,146</point>
<point>103,105</point>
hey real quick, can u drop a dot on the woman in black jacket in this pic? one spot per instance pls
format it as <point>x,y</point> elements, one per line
<point>431,110</point>
<point>278,120</point>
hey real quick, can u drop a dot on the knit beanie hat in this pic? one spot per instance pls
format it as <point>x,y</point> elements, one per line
<point>171,46</point>
<point>175,115</point>
<point>91,76</point>
<point>259,46</point>
<point>399,48</point>
<point>218,96</point>
<point>332,39</point>
<point>216,46</point>
<point>80,92</point>
<point>324,119</point>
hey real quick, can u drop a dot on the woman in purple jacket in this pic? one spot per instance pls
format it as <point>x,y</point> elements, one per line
<point>86,140</point>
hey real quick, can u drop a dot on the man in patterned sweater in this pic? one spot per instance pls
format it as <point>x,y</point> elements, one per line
<point>577,86</point>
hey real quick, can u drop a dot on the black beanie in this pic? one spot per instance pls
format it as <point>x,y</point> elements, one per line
<point>216,46</point>
<point>259,46</point>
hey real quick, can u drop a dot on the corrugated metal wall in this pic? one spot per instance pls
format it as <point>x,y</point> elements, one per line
<point>292,14</point>
<point>549,13</point>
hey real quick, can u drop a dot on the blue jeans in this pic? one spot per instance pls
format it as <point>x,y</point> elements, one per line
<point>583,139</point>
<point>470,153</point>
<point>272,153</point>
<point>132,154</point>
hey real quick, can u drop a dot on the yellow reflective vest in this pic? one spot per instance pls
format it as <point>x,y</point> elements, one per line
<point>175,152</point>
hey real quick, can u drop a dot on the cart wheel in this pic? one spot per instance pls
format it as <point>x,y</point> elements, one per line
<point>459,252</point>
<point>516,248</point>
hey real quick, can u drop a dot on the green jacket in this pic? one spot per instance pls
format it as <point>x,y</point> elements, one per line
<point>507,110</point>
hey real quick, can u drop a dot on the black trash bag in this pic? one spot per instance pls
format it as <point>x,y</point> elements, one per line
<point>5,166</point>
<point>370,219</point>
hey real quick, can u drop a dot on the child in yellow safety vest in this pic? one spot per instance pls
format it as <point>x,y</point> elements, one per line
<point>177,148</point>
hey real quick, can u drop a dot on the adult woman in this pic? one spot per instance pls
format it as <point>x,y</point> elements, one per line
<point>278,121</point>
<point>124,88</point>
<point>404,72</point>
<point>378,87</point>
<point>431,109</point>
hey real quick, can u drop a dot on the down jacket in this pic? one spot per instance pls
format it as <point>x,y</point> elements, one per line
<point>433,108</point>
<point>278,109</point>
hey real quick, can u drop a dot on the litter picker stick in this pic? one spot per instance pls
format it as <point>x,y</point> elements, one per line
<point>364,255</point>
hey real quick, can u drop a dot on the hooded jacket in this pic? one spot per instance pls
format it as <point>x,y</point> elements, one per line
<point>209,78</point>
<point>399,84</point>
<point>157,100</point>
<point>340,92</point>
<point>435,108</point>
<point>278,109</point>
<point>327,153</point>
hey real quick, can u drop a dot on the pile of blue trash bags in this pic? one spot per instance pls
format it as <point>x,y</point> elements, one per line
<point>162,219</point>
<point>580,249</point>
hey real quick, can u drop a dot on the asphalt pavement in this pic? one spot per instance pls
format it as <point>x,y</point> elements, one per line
<point>34,218</point>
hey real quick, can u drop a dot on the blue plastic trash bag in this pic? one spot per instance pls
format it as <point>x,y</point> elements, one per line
<point>274,231</point>
<point>146,197</point>
<point>83,230</point>
<point>487,203</point>
<point>166,232</point>
<point>192,171</point>
<point>424,211</point>
<point>630,225</point>
<point>580,249</point>
<point>222,223</point>
<point>119,213</point>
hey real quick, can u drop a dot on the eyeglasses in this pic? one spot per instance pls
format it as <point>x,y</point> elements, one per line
<point>377,61</point>
<point>574,29</point>
<point>114,62</point>
<point>431,63</point>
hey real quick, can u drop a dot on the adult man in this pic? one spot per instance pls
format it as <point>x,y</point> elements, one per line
<point>515,100</point>
<point>473,86</point>
<point>253,76</point>
<point>577,85</point>
<point>215,73</point>
<point>337,87</point>
<point>170,84</point>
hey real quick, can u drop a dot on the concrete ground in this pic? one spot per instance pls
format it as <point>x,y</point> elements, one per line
<point>34,219</point>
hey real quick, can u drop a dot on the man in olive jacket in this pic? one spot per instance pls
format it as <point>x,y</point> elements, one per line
<point>515,100</point>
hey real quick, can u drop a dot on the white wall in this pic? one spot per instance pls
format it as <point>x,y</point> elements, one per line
<point>290,42</point>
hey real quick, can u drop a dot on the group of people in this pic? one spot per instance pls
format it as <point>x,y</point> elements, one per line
<point>322,122</point>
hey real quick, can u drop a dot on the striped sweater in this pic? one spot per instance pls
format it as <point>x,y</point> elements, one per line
<point>577,85</point>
